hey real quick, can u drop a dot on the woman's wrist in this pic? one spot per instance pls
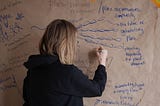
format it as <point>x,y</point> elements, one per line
<point>102,63</point>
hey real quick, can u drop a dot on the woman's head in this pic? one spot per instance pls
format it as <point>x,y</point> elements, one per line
<point>59,38</point>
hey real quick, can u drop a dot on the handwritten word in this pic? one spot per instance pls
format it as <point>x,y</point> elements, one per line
<point>62,4</point>
<point>104,8</point>
<point>10,25</point>
<point>19,16</point>
<point>125,15</point>
<point>127,91</point>
<point>133,30</point>
<point>134,56</point>
<point>114,103</point>
<point>130,98</point>
<point>7,83</point>
<point>130,23</point>
<point>10,4</point>
<point>4,19</point>
<point>129,84</point>
<point>124,9</point>
<point>129,87</point>
<point>130,38</point>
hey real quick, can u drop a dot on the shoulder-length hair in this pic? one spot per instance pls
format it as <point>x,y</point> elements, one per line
<point>59,39</point>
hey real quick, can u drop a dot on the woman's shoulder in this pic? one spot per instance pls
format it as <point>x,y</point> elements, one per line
<point>69,66</point>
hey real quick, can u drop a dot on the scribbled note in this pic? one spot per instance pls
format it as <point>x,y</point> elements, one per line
<point>119,12</point>
<point>125,93</point>
<point>7,83</point>
<point>9,4</point>
<point>134,56</point>
<point>10,25</point>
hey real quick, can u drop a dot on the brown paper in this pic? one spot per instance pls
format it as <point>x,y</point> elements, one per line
<point>128,29</point>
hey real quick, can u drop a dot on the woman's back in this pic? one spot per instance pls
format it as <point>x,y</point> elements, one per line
<point>51,78</point>
<point>50,83</point>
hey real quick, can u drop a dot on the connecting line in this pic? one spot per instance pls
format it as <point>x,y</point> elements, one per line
<point>37,27</point>
<point>140,99</point>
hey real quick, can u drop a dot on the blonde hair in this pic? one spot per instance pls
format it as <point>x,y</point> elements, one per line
<point>59,39</point>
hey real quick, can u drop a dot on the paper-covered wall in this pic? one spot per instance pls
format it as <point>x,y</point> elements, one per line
<point>128,29</point>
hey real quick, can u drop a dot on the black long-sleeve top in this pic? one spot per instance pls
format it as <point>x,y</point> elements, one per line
<point>50,83</point>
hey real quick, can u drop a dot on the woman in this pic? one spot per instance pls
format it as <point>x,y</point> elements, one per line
<point>52,79</point>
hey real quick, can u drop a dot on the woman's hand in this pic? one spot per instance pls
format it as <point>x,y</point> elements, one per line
<point>102,55</point>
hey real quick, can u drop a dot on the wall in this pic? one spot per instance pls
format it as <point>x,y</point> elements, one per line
<point>127,29</point>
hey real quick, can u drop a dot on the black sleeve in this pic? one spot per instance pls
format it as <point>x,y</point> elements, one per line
<point>84,87</point>
<point>26,90</point>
